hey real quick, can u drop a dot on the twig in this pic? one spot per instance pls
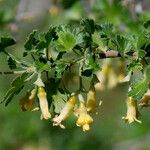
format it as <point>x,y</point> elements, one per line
<point>114,54</point>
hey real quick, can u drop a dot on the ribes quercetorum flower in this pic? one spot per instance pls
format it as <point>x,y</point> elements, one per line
<point>91,100</point>
<point>54,10</point>
<point>108,77</point>
<point>145,99</point>
<point>27,101</point>
<point>84,119</point>
<point>120,73</point>
<point>65,112</point>
<point>42,96</point>
<point>43,103</point>
<point>132,111</point>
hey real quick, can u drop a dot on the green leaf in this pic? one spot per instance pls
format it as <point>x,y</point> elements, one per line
<point>50,35</point>
<point>59,101</point>
<point>147,73</point>
<point>31,41</point>
<point>60,68</point>
<point>134,65</point>
<point>89,25</point>
<point>68,38</point>
<point>138,90</point>
<point>11,63</point>
<point>147,24</point>
<point>95,79</point>
<point>40,66</point>
<point>16,86</point>
<point>106,30</point>
<point>138,41</point>
<point>142,53</point>
<point>41,45</point>
<point>46,38</point>
<point>121,44</point>
<point>6,42</point>
<point>65,42</point>
<point>90,66</point>
<point>9,95</point>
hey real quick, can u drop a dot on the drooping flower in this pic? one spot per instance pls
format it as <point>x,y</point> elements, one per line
<point>53,10</point>
<point>107,76</point>
<point>120,74</point>
<point>132,111</point>
<point>145,100</point>
<point>84,119</point>
<point>43,103</point>
<point>126,78</point>
<point>91,100</point>
<point>112,78</point>
<point>26,102</point>
<point>65,112</point>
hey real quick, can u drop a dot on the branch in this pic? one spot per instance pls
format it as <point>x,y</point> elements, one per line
<point>115,54</point>
<point>11,72</point>
<point>6,72</point>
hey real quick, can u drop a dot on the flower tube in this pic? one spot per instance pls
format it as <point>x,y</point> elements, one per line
<point>43,103</point>
<point>91,101</point>
<point>65,112</point>
<point>84,119</point>
<point>132,111</point>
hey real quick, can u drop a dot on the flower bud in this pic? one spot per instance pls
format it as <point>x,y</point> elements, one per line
<point>84,119</point>
<point>26,102</point>
<point>65,112</point>
<point>43,103</point>
<point>132,111</point>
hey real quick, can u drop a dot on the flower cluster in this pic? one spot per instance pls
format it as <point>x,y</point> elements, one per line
<point>78,106</point>
<point>109,77</point>
<point>81,110</point>
<point>75,104</point>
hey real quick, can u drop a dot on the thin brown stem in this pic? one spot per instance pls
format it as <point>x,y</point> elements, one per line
<point>114,54</point>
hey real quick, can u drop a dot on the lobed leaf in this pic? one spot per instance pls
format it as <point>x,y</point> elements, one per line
<point>16,86</point>
<point>59,101</point>
<point>6,42</point>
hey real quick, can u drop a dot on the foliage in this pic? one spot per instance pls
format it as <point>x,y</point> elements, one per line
<point>65,47</point>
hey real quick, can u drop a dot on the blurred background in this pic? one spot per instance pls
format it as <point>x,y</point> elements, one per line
<point>24,130</point>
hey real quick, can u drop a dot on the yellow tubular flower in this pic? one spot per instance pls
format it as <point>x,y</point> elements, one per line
<point>84,119</point>
<point>26,102</point>
<point>145,100</point>
<point>69,106</point>
<point>43,103</point>
<point>132,111</point>
<point>120,73</point>
<point>91,101</point>
<point>103,76</point>
<point>53,10</point>
<point>107,76</point>
<point>112,78</point>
